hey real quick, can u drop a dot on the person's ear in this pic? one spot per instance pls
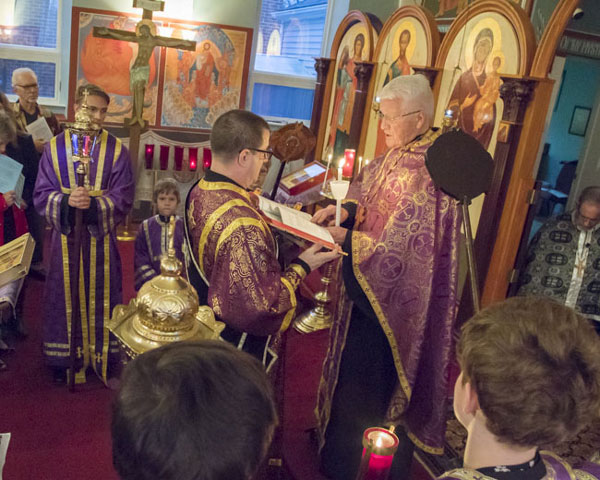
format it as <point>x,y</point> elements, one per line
<point>244,157</point>
<point>471,404</point>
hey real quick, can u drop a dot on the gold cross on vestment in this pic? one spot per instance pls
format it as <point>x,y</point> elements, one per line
<point>79,352</point>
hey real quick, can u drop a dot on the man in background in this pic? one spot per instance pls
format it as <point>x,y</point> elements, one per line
<point>26,111</point>
<point>563,261</point>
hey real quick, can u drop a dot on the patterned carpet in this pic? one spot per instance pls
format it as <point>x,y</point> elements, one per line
<point>579,449</point>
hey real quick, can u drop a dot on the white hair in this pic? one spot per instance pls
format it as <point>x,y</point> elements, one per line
<point>414,90</point>
<point>22,71</point>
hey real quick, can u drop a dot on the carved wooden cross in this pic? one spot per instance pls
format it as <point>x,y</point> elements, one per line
<point>146,38</point>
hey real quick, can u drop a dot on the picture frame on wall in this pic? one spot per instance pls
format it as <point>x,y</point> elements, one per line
<point>579,120</point>
<point>445,11</point>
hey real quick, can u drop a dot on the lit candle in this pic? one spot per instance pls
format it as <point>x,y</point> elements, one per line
<point>359,164</point>
<point>349,155</point>
<point>193,152</point>
<point>340,168</point>
<point>206,158</point>
<point>380,445</point>
<point>149,156</point>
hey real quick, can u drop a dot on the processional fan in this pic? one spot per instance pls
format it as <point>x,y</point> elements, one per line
<point>461,168</point>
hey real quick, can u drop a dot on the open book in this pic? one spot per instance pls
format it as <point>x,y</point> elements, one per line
<point>295,222</point>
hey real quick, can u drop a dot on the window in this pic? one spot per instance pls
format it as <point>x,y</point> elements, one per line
<point>290,36</point>
<point>31,35</point>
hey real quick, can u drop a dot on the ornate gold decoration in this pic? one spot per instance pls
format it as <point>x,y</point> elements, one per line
<point>165,310</point>
<point>319,317</point>
<point>83,135</point>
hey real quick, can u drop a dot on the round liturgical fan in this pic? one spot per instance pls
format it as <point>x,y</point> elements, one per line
<point>462,168</point>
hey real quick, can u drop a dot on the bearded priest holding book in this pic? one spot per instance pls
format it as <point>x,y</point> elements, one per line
<point>390,343</point>
<point>235,268</point>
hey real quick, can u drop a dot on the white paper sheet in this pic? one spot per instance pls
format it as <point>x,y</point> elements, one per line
<point>4,441</point>
<point>301,223</point>
<point>40,130</point>
<point>10,170</point>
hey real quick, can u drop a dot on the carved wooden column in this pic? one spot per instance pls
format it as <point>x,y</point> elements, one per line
<point>363,72</point>
<point>322,66</point>
<point>516,94</point>
<point>430,73</point>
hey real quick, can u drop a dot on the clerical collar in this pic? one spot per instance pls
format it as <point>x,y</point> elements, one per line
<point>534,469</point>
<point>210,176</point>
<point>164,219</point>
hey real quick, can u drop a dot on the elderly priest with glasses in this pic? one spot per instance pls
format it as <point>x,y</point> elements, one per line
<point>390,343</point>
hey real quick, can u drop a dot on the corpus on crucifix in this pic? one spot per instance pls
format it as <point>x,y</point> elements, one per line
<point>146,38</point>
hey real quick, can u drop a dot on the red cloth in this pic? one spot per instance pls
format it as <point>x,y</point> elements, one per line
<point>19,216</point>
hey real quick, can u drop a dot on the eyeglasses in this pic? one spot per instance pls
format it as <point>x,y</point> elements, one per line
<point>31,86</point>
<point>391,119</point>
<point>267,154</point>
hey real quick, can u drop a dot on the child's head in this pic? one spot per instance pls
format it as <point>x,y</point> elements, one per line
<point>530,371</point>
<point>166,196</point>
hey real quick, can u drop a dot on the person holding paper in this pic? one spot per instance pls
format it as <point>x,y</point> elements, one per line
<point>23,151</point>
<point>57,196</point>
<point>13,223</point>
<point>27,110</point>
<point>390,344</point>
<point>235,268</point>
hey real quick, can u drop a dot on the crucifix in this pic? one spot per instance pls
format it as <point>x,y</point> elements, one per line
<point>146,38</point>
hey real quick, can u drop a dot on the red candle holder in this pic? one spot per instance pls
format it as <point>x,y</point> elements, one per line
<point>193,151</point>
<point>349,156</point>
<point>149,156</point>
<point>379,447</point>
<point>178,158</point>
<point>164,157</point>
<point>206,158</point>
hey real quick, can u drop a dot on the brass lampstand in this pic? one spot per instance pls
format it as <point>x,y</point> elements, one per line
<point>320,316</point>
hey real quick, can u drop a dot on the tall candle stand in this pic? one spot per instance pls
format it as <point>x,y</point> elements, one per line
<point>319,317</point>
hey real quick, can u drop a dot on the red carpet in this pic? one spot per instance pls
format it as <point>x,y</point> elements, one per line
<point>57,435</point>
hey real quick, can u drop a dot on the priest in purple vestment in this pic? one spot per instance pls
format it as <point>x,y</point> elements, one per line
<point>390,344</point>
<point>57,197</point>
<point>530,377</point>
<point>234,252</point>
<point>152,240</point>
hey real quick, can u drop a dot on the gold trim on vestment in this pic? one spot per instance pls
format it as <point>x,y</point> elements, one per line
<point>92,313</point>
<point>70,164</point>
<point>299,271</point>
<point>465,474</point>
<point>101,160</point>
<point>54,152</point>
<point>204,185</point>
<point>212,219</point>
<point>110,214</point>
<point>106,312</point>
<point>289,316</point>
<point>91,193</point>
<point>85,334</point>
<point>117,154</point>
<point>422,446</point>
<point>234,225</point>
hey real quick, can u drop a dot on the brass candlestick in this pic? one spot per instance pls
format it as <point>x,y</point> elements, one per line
<point>319,317</point>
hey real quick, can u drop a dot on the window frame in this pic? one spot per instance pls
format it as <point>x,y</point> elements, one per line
<point>48,55</point>
<point>287,80</point>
